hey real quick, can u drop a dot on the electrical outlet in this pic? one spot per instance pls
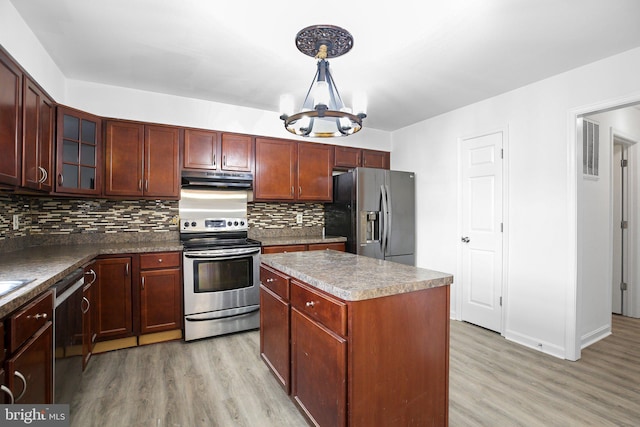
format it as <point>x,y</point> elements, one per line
<point>175,220</point>
<point>299,218</point>
<point>16,222</point>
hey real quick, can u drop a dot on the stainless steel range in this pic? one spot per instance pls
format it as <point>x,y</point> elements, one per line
<point>221,265</point>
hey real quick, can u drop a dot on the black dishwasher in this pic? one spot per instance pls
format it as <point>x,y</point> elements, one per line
<point>67,329</point>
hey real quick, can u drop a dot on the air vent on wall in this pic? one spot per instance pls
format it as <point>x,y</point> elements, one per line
<point>590,148</point>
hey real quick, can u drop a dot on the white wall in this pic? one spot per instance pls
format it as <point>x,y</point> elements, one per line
<point>22,44</point>
<point>539,216</point>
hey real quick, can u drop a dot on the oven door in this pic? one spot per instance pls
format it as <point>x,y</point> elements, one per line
<point>221,279</point>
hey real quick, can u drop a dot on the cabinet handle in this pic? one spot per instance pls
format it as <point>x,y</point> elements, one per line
<point>292,190</point>
<point>60,179</point>
<point>224,160</point>
<point>310,304</point>
<point>143,283</point>
<point>37,316</point>
<point>146,185</point>
<point>214,160</point>
<point>6,390</point>
<point>140,185</point>
<point>299,191</point>
<point>270,279</point>
<point>24,382</point>
<point>43,178</point>
<point>85,300</point>
<point>93,273</point>
<point>126,270</point>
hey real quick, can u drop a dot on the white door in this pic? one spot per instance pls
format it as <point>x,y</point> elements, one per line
<point>481,240</point>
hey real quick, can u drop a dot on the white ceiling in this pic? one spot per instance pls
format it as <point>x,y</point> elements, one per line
<point>413,59</point>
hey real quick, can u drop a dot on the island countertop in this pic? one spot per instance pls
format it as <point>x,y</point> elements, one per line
<point>353,277</point>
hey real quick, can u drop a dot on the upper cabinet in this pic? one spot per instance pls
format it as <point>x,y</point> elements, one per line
<point>78,153</point>
<point>10,121</point>
<point>142,160</point>
<point>287,170</point>
<point>38,121</point>
<point>315,167</point>
<point>214,151</point>
<point>275,177</point>
<point>351,157</point>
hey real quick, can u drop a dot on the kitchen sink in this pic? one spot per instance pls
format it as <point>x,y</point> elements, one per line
<point>7,286</point>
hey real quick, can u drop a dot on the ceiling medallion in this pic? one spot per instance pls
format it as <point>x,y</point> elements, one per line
<point>323,113</point>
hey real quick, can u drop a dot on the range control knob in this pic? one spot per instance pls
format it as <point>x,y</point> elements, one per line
<point>241,222</point>
<point>186,224</point>
<point>193,223</point>
<point>235,223</point>
<point>229,223</point>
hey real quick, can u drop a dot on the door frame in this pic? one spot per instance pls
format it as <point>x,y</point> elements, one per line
<point>573,342</point>
<point>627,141</point>
<point>457,301</point>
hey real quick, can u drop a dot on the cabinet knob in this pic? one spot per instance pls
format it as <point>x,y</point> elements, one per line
<point>310,304</point>
<point>159,259</point>
<point>270,279</point>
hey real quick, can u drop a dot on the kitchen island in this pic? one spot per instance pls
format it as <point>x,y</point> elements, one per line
<point>357,341</point>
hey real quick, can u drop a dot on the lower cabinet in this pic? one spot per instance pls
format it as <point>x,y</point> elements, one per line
<point>318,371</point>
<point>114,317</point>
<point>29,364</point>
<point>274,333</point>
<point>375,362</point>
<point>137,294</point>
<point>160,292</point>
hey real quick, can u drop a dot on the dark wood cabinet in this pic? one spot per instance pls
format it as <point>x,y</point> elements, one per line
<point>160,292</point>
<point>29,365</point>
<point>274,324</point>
<point>318,371</point>
<point>275,175</point>
<point>78,153</point>
<point>38,121</point>
<point>10,121</point>
<point>347,157</point>
<point>89,310</point>
<point>379,361</point>
<point>293,171</point>
<point>376,159</point>
<point>315,167</point>
<point>212,150</point>
<point>237,152</point>
<point>113,296</point>
<point>142,160</point>
<point>324,246</point>
<point>351,157</point>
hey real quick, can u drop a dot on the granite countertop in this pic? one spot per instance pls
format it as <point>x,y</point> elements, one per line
<point>299,240</point>
<point>48,264</point>
<point>353,277</point>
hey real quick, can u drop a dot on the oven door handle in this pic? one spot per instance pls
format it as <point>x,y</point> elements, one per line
<point>236,313</point>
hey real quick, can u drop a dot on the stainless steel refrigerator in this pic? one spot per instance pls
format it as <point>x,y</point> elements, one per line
<point>375,210</point>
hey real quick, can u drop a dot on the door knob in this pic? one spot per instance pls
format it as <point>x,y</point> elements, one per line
<point>464,239</point>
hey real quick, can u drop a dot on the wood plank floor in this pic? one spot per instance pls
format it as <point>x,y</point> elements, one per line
<point>493,382</point>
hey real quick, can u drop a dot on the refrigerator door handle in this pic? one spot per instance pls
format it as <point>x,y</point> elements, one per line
<point>385,219</point>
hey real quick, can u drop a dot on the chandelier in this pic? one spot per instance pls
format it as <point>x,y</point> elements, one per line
<point>323,114</point>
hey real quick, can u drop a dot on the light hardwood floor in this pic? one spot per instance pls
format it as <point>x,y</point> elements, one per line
<point>493,382</point>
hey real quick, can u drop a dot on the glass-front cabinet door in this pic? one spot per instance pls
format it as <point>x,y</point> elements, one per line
<point>79,153</point>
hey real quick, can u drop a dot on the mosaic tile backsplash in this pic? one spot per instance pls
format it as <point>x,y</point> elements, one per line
<point>44,218</point>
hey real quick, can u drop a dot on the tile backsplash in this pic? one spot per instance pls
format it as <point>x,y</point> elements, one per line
<point>43,219</point>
